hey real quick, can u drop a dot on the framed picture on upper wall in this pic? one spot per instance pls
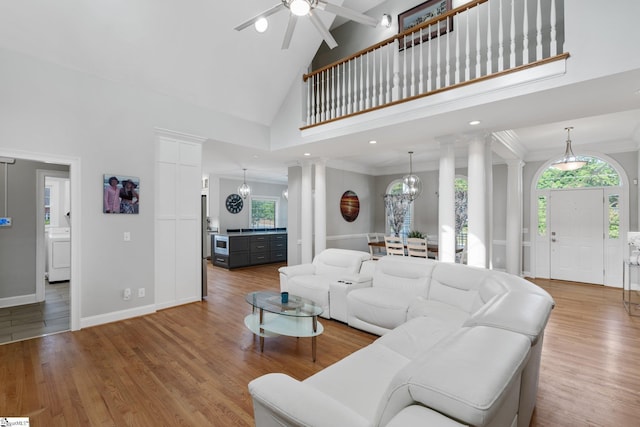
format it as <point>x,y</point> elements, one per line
<point>419,14</point>
<point>121,194</point>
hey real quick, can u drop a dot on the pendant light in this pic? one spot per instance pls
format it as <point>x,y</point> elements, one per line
<point>569,161</point>
<point>412,183</point>
<point>244,190</point>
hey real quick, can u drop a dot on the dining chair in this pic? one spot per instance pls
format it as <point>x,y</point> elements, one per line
<point>376,252</point>
<point>394,245</point>
<point>417,247</point>
<point>433,239</point>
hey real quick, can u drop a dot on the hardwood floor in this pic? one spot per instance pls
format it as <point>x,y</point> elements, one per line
<point>34,320</point>
<point>190,365</point>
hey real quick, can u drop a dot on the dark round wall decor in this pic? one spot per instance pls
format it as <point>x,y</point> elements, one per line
<point>349,206</point>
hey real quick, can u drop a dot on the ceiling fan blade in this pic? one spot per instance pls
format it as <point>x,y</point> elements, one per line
<point>293,19</point>
<point>348,13</point>
<point>264,14</point>
<point>326,35</point>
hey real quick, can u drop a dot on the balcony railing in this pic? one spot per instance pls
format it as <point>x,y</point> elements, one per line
<point>480,40</point>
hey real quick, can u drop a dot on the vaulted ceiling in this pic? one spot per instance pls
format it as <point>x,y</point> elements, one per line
<point>189,50</point>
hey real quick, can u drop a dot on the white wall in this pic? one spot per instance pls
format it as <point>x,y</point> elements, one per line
<point>109,127</point>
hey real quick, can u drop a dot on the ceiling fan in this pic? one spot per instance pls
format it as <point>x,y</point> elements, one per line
<point>299,8</point>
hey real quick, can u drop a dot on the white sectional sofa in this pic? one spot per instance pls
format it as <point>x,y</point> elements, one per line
<point>460,346</point>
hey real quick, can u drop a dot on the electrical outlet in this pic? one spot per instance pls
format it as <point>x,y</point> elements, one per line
<point>126,295</point>
<point>141,293</point>
<point>127,236</point>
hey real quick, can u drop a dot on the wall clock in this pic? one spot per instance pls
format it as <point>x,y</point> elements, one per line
<point>234,203</point>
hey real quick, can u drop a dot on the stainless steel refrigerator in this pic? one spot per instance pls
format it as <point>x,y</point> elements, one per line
<point>203,244</point>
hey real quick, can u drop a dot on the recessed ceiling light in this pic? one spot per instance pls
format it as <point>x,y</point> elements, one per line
<point>261,25</point>
<point>373,141</point>
<point>474,122</point>
<point>307,154</point>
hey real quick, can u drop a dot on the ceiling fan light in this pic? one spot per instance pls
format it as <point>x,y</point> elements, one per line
<point>299,7</point>
<point>386,20</point>
<point>261,25</point>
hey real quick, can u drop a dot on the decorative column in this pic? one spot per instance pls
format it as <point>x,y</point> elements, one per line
<point>447,203</point>
<point>320,207</point>
<point>514,216</point>
<point>476,237</point>
<point>306,218</point>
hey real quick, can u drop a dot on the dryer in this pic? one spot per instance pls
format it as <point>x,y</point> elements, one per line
<point>58,254</point>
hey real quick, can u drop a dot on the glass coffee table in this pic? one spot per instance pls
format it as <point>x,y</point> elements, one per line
<point>271,317</point>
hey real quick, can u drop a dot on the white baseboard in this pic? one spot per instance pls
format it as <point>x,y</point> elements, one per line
<point>115,316</point>
<point>19,300</point>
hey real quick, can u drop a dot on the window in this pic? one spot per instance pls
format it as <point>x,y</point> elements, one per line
<point>264,212</point>
<point>398,187</point>
<point>614,216</point>
<point>47,205</point>
<point>596,173</point>
<point>542,216</point>
<point>461,195</point>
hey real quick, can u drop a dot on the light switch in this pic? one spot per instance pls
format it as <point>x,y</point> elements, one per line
<point>127,236</point>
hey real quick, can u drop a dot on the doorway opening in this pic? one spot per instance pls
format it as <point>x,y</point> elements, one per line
<point>579,219</point>
<point>40,199</point>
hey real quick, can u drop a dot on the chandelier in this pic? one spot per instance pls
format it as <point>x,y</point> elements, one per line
<point>244,190</point>
<point>569,161</point>
<point>412,183</point>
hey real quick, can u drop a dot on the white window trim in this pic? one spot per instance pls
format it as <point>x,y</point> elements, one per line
<point>267,198</point>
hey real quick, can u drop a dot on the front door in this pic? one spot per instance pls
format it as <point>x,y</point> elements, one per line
<point>576,221</point>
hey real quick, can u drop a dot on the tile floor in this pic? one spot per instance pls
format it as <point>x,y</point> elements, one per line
<point>34,320</point>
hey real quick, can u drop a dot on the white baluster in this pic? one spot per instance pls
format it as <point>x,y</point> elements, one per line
<point>381,79</point>
<point>539,32</point>
<point>429,59</point>
<point>332,97</point>
<point>512,46</point>
<point>413,68</point>
<point>438,61</point>
<point>421,65</point>
<point>391,48</point>
<point>525,38</point>
<point>457,66</point>
<point>554,44</point>
<point>367,101</point>
<point>447,60</point>
<point>323,108</point>
<point>396,69</point>
<point>478,45</point>
<point>361,106</point>
<point>500,38</point>
<point>374,86</point>
<point>343,111</point>
<point>489,51</point>
<point>404,66</point>
<point>467,70</point>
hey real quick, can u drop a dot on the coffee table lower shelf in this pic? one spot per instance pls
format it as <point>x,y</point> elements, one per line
<point>278,324</point>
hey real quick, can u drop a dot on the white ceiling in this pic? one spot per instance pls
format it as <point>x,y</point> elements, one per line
<point>189,50</point>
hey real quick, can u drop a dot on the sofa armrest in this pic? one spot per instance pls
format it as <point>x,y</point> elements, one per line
<point>522,312</point>
<point>297,270</point>
<point>356,279</point>
<point>289,272</point>
<point>280,400</point>
<point>338,291</point>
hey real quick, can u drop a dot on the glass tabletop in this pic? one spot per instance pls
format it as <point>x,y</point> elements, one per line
<point>271,301</point>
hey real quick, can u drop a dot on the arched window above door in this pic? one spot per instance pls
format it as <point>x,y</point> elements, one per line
<point>596,173</point>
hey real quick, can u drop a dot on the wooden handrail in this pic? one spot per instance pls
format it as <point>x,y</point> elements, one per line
<point>398,36</point>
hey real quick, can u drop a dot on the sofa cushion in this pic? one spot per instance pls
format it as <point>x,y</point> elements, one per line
<point>449,314</point>
<point>409,276</point>
<point>360,379</point>
<point>416,415</point>
<point>383,307</point>
<point>416,336</point>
